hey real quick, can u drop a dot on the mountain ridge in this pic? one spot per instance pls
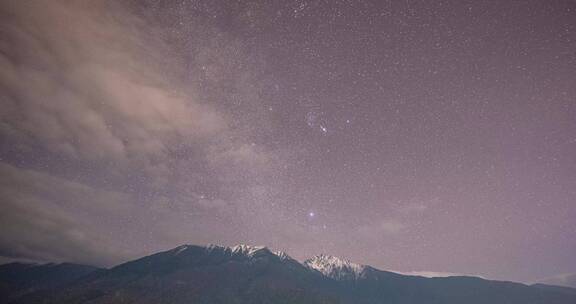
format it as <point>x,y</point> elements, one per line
<point>255,274</point>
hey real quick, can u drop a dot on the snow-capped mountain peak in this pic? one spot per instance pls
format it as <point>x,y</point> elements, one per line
<point>238,251</point>
<point>178,250</point>
<point>335,267</point>
<point>253,251</point>
<point>281,254</point>
<point>248,250</point>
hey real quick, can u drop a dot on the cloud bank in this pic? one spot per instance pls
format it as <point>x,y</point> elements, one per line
<point>123,141</point>
<point>567,280</point>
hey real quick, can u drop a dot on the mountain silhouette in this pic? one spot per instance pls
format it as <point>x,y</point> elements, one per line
<point>249,274</point>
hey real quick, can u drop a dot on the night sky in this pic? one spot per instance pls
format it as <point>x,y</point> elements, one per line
<point>408,135</point>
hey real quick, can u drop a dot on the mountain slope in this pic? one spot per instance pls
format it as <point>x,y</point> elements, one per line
<point>194,274</point>
<point>17,279</point>
<point>246,274</point>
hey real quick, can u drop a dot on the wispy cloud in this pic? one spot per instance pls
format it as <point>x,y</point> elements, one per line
<point>40,223</point>
<point>90,85</point>
<point>435,274</point>
<point>566,279</point>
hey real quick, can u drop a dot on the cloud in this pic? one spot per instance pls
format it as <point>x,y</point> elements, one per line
<point>567,280</point>
<point>418,206</point>
<point>383,227</point>
<point>120,132</point>
<point>435,274</point>
<point>83,80</point>
<point>51,219</point>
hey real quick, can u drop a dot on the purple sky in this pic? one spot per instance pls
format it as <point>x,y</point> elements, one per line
<point>408,135</point>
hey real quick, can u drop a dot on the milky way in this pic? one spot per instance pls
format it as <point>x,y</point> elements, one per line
<point>409,135</point>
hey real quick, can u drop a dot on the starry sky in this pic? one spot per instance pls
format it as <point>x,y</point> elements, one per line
<point>431,136</point>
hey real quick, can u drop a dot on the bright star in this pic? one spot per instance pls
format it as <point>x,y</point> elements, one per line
<point>311,214</point>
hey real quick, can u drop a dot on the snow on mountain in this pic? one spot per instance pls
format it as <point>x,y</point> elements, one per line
<point>329,266</point>
<point>178,250</point>
<point>238,250</point>
<point>283,256</point>
<point>249,250</point>
<point>335,267</point>
<point>253,274</point>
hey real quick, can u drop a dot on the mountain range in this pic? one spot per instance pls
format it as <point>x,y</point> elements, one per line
<point>250,274</point>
